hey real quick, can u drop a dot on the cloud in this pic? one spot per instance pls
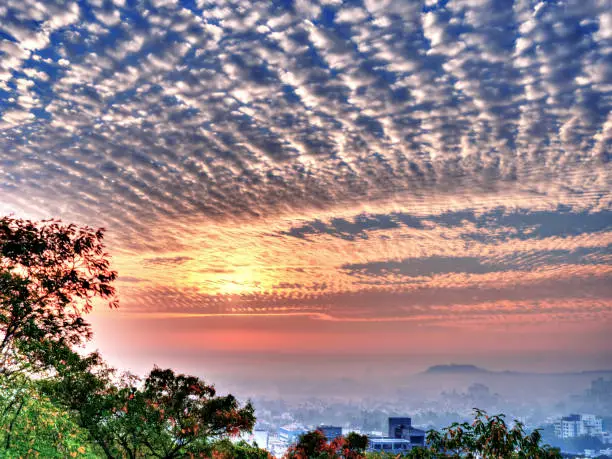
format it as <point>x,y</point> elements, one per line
<point>422,267</point>
<point>167,261</point>
<point>131,279</point>
<point>574,299</point>
<point>497,224</point>
<point>344,159</point>
<point>147,111</point>
<point>431,266</point>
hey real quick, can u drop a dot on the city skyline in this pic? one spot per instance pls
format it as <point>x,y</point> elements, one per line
<point>289,182</point>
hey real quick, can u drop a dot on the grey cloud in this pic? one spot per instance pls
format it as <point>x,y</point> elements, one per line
<point>417,267</point>
<point>167,261</point>
<point>518,261</point>
<point>431,266</point>
<point>520,224</point>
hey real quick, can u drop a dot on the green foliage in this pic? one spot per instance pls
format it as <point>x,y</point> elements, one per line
<point>489,437</point>
<point>179,414</point>
<point>31,425</point>
<point>85,386</point>
<point>311,445</point>
<point>414,453</point>
<point>50,274</point>
<point>169,416</point>
<point>225,449</point>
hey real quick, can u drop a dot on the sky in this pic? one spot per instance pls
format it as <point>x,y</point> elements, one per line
<point>287,184</point>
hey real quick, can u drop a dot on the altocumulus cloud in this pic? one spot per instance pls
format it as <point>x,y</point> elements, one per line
<point>223,113</point>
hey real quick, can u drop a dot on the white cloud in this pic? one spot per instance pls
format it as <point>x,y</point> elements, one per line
<point>351,15</point>
<point>226,111</point>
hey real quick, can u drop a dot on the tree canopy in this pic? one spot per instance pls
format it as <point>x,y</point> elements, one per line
<point>489,437</point>
<point>32,425</point>
<point>315,445</point>
<point>50,273</point>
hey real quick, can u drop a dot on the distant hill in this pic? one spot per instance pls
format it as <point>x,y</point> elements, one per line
<point>455,369</point>
<point>467,369</point>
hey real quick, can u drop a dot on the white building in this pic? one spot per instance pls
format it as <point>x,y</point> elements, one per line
<point>591,425</point>
<point>290,434</point>
<point>579,425</point>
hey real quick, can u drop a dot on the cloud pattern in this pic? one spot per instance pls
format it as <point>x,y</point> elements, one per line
<point>346,160</point>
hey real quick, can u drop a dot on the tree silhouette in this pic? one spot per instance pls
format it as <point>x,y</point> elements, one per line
<point>355,445</point>
<point>49,275</point>
<point>311,444</point>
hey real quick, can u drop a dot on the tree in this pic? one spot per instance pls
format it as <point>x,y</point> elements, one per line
<point>225,449</point>
<point>414,453</point>
<point>85,386</point>
<point>31,425</point>
<point>314,445</point>
<point>182,413</point>
<point>50,274</point>
<point>355,445</point>
<point>168,416</point>
<point>489,437</point>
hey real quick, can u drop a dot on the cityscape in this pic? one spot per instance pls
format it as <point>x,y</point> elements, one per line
<point>578,433</point>
<point>401,437</point>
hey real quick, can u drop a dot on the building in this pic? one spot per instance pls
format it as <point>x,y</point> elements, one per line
<point>259,437</point>
<point>591,425</point>
<point>397,427</point>
<point>401,427</point>
<point>567,426</point>
<point>388,445</point>
<point>330,432</point>
<point>417,437</point>
<point>276,447</point>
<point>600,391</point>
<point>579,425</point>
<point>402,437</point>
<point>290,434</point>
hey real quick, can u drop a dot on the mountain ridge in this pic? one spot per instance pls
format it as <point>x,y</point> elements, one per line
<point>466,369</point>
